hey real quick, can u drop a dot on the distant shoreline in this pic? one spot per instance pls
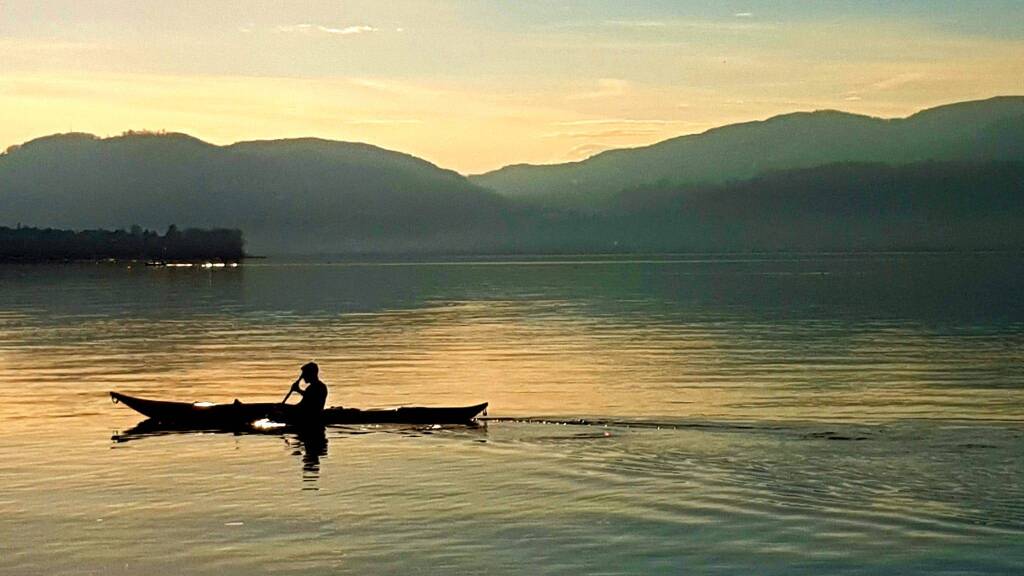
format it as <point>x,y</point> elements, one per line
<point>128,262</point>
<point>388,257</point>
<point>29,245</point>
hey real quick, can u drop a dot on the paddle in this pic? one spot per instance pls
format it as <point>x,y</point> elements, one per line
<point>292,389</point>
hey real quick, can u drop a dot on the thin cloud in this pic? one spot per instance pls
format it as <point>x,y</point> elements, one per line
<point>744,14</point>
<point>347,30</point>
<point>898,81</point>
<point>588,150</point>
<point>604,134</point>
<point>887,85</point>
<point>394,87</point>
<point>317,28</point>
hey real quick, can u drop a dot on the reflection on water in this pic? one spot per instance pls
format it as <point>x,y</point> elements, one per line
<point>308,443</point>
<point>771,415</point>
<point>312,445</point>
<point>805,339</point>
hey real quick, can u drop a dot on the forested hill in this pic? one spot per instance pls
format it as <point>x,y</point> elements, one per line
<point>286,195</point>
<point>969,131</point>
<point>946,178</point>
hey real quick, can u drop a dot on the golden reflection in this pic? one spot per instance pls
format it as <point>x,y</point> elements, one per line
<point>586,356</point>
<point>267,424</point>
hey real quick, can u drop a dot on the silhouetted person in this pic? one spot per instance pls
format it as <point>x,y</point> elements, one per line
<point>315,395</point>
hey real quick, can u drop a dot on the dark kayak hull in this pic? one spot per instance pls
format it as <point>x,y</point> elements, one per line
<point>239,414</point>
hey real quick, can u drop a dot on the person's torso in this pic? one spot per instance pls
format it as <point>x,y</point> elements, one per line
<point>314,397</point>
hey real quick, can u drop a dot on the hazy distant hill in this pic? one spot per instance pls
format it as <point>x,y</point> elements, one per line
<point>837,207</point>
<point>930,205</point>
<point>946,178</point>
<point>969,131</point>
<point>305,195</point>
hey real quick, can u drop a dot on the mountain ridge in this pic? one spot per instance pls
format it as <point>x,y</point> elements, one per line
<point>319,195</point>
<point>290,194</point>
<point>742,150</point>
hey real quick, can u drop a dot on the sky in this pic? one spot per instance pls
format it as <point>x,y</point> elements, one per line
<point>474,85</point>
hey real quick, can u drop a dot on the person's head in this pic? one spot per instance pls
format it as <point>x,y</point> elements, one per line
<point>310,371</point>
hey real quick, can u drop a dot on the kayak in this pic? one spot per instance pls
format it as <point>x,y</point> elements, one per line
<point>239,414</point>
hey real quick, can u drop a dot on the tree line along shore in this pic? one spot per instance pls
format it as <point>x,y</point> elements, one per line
<point>29,244</point>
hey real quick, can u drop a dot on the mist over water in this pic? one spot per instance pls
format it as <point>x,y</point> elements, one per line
<point>771,414</point>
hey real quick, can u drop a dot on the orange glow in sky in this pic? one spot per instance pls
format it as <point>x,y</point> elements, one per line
<point>473,86</point>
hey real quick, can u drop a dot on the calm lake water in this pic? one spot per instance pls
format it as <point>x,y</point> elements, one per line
<point>813,414</point>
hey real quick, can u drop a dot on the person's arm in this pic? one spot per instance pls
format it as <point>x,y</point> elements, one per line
<point>295,387</point>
